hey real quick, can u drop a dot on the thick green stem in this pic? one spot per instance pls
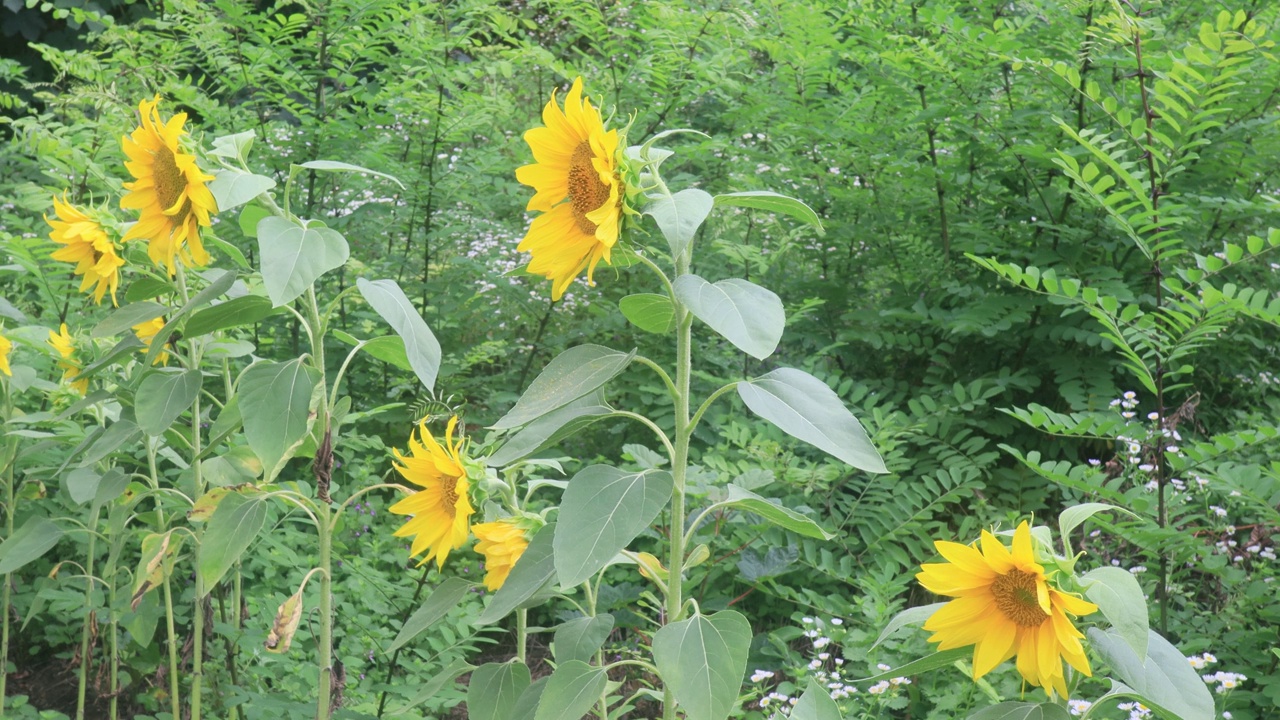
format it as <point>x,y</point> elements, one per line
<point>324,524</point>
<point>115,654</point>
<point>175,706</point>
<point>88,616</point>
<point>675,561</point>
<point>522,635</point>
<point>11,459</point>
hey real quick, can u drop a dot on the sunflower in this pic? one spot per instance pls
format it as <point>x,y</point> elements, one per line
<point>169,190</point>
<point>146,332</point>
<point>502,543</point>
<point>580,191</point>
<point>86,245</point>
<point>66,347</point>
<point>1004,606</point>
<point>6,345</point>
<point>441,511</point>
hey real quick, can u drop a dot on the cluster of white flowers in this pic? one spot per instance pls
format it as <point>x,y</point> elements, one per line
<point>1227,681</point>
<point>784,702</point>
<point>760,676</point>
<point>1200,662</point>
<point>1137,710</point>
<point>1079,707</point>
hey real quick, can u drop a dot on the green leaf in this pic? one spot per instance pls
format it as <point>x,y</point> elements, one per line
<point>580,638</point>
<point>334,166</point>
<point>420,345</point>
<point>117,433</point>
<point>1022,711</point>
<point>550,429</point>
<point>233,188</point>
<point>649,312</point>
<point>127,345</point>
<point>744,499</point>
<point>388,348</point>
<point>145,288</point>
<point>571,691</point>
<point>125,318</point>
<point>163,396</point>
<point>772,202</point>
<point>244,310</point>
<point>82,484</point>
<point>494,689</point>
<point>293,257</point>
<point>680,215</point>
<point>815,704</point>
<point>220,282</point>
<point>275,401</point>
<point>910,616</point>
<point>924,664</point>
<point>30,542</point>
<point>233,146</point>
<point>534,570</point>
<point>747,315</point>
<point>572,374</point>
<point>804,407</point>
<point>1118,595</point>
<point>249,218</point>
<point>230,531</point>
<point>1165,682</point>
<point>1072,517</point>
<point>703,660</point>
<point>111,485</point>
<point>527,703</point>
<point>602,511</point>
<point>437,682</point>
<point>443,599</point>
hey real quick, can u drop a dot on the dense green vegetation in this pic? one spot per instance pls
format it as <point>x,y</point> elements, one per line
<point>1047,277</point>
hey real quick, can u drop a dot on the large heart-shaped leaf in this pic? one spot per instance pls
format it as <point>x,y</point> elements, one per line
<point>580,638</point>
<point>1165,681</point>
<point>494,688</point>
<point>680,215</point>
<point>275,400</point>
<point>572,374</point>
<point>293,256</point>
<point>815,704</point>
<point>1119,596</point>
<point>703,660</point>
<point>747,315</point>
<point>571,691</point>
<point>649,312</point>
<point>420,345</point>
<point>804,407</point>
<point>233,188</point>
<point>1022,711</point>
<point>162,396</point>
<point>230,531</point>
<point>603,510</point>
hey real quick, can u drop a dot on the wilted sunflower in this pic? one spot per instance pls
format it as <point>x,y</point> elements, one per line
<point>146,332</point>
<point>169,190</point>
<point>6,345</point>
<point>579,188</point>
<point>88,247</point>
<point>1004,606</point>
<point>441,511</point>
<point>66,347</point>
<point>502,543</point>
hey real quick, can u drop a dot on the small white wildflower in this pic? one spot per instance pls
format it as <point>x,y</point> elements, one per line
<point>882,667</point>
<point>879,688</point>
<point>837,621</point>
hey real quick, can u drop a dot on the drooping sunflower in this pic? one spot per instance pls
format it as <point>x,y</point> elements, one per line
<point>169,190</point>
<point>502,543</point>
<point>441,511</point>
<point>580,191</point>
<point>88,247</point>
<point>66,347</point>
<point>1005,606</point>
<point>146,332</point>
<point>6,346</point>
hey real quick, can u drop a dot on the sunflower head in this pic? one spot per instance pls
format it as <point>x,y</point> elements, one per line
<point>62,342</point>
<point>502,543</point>
<point>6,346</point>
<point>146,332</point>
<point>86,245</point>
<point>440,512</point>
<point>1004,605</point>
<point>168,190</point>
<point>578,178</point>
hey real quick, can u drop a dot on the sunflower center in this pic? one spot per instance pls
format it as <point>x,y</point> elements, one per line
<point>170,182</point>
<point>451,499</point>
<point>586,192</point>
<point>1015,594</point>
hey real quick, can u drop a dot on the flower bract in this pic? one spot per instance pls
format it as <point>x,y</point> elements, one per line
<point>169,190</point>
<point>441,511</point>
<point>66,347</point>
<point>502,543</point>
<point>1004,606</point>
<point>86,245</point>
<point>579,191</point>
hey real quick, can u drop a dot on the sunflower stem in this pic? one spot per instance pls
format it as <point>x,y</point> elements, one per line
<point>522,635</point>
<point>174,702</point>
<point>679,461</point>
<point>10,459</point>
<point>324,524</point>
<point>197,646</point>
<point>88,616</point>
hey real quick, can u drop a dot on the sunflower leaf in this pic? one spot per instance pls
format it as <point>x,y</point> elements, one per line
<point>233,188</point>
<point>551,428</point>
<point>1165,681</point>
<point>230,531</point>
<point>601,512</point>
<point>436,684</point>
<point>275,402</point>
<point>335,166</point>
<point>580,638</point>
<point>649,312</point>
<point>572,374</point>
<point>420,344</point>
<point>910,616</point>
<point>571,691</point>
<point>924,664</point>
<point>783,517</point>
<point>36,537</point>
<point>443,599</point>
<point>163,395</point>
<point>773,202</point>
<point>747,315</point>
<point>703,660</point>
<point>680,215</point>
<point>1022,711</point>
<point>1119,596</point>
<point>815,704</point>
<point>293,256</point>
<point>494,689</point>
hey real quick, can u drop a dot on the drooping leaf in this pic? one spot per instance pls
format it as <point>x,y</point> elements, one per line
<point>680,215</point>
<point>601,512</point>
<point>335,166</point>
<point>494,689</point>
<point>286,624</point>
<point>442,600</point>
<point>230,531</point>
<point>744,499</point>
<point>1119,596</point>
<point>30,542</point>
<point>244,310</point>
<point>772,202</point>
<point>275,401</point>
<point>535,568</point>
<point>421,346</point>
<point>571,691</point>
<point>703,660</point>
<point>804,407</point>
<point>162,397</point>
<point>293,256</point>
<point>549,429</point>
<point>747,315</point>
<point>389,349</point>
<point>572,374</point>
<point>1165,681</point>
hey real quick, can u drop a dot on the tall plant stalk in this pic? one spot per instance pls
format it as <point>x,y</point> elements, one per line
<point>10,459</point>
